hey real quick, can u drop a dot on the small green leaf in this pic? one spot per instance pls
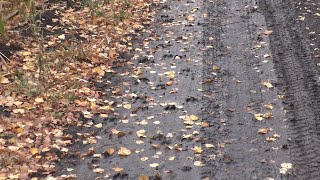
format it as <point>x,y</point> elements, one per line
<point>2,29</point>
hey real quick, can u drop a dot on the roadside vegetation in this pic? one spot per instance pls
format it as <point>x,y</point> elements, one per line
<point>51,55</point>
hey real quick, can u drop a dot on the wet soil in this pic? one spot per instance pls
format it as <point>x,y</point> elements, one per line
<point>222,61</point>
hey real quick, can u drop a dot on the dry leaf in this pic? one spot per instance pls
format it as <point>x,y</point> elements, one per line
<point>190,18</point>
<point>124,151</point>
<point>4,80</point>
<point>258,116</point>
<point>268,115</point>
<point>127,106</point>
<point>110,151</point>
<point>141,133</point>
<point>39,100</point>
<point>98,70</point>
<point>263,131</point>
<point>143,177</point>
<point>117,169</point>
<point>62,37</point>
<point>209,145</point>
<point>34,151</point>
<point>267,32</point>
<point>269,106</point>
<point>198,163</point>
<point>197,150</point>
<point>267,84</point>
<point>18,111</point>
<point>154,165</point>
<point>98,170</point>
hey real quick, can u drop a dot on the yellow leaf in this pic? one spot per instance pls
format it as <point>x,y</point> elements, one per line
<point>190,18</point>
<point>268,115</point>
<point>209,145</point>
<point>259,116</point>
<point>98,125</point>
<point>127,106</point>
<point>4,80</point>
<point>98,170</point>
<point>263,131</point>
<point>269,106</point>
<point>81,103</point>
<point>98,70</point>
<point>171,74</point>
<point>267,32</point>
<point>117,169</point>
<point>198,163</point>
<point>144,158</point>
<point>143,177</point>
<point>39,100</point>
<point>34,151</point>
<point>18,111</point>
<point>154,165</point>
<point>107,108</point>
<point>194,118</point>
<point>124,151</point>
<point>141,133</point>
<point>62,37</point>
<point>267,84</point>
<point>197,150</point>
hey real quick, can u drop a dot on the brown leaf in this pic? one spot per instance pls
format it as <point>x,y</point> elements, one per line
<point>263,131</point>
<point>124,151</point>
<point>143,177</point>
<point>4,80</point>
<point>110,151</point>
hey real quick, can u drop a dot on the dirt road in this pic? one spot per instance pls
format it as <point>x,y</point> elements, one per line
<point>213,89</point>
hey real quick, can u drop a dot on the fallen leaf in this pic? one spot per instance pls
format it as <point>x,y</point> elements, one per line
<point>263,131</point>
<point>258,116</point>
<point>98,70</point>
<point>285,167</point>
<point>198,163</point>
<point>267,32</point>
<point>209,145</point>
<point>143,177</point>
<point>98,125</point>
<point>268,106</point>
<point>141,133</point>
<point>110,151</point>
<point>98,170</point>
<point>124,151</point>
<point>127,106</point>
<point>190,18</point>
<point>154,165</point>
<point>267,84</point>
<point>144,158</point>
<point>197,150</point>
<point>4,80</point>
<point>117,169</point>
<point>18,111</point>
<point>39,100</point>
<point>62,37</point>
<point>267,115</point>
<point>34,151</point>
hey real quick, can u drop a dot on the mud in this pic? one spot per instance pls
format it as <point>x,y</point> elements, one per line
<point>222,62</point>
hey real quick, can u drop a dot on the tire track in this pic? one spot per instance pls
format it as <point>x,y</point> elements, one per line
<point>298,79</point>
<point>234,94</point>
